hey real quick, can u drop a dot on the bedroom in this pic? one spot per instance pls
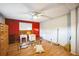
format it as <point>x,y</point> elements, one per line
<point>52,25</point>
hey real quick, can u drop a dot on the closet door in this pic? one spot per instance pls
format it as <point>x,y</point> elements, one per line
<point>3,39</point>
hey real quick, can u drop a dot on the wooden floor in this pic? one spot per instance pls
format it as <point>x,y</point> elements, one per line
<point>50,50</point>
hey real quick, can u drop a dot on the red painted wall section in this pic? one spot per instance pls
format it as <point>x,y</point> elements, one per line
<point>14,26</point>
<point>35,28</point>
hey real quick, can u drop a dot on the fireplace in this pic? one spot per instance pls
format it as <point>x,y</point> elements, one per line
<point>23,40</point>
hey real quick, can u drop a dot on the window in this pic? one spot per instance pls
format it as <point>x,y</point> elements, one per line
<point>25,26</point>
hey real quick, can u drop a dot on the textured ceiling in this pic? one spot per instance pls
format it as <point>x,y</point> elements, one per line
<point>22,11</point>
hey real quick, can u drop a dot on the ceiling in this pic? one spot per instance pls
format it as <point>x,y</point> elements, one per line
<point>23,11</point>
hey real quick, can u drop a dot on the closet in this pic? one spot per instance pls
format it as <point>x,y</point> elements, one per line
<point>3,39</point>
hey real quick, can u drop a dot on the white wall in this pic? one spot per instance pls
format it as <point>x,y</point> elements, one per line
<point>2,20</point>
<point>73,31</point>
<point>78,33</point>
<point>48,30</point>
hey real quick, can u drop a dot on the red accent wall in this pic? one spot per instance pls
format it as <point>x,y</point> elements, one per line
<point>36,29</point>
<point>13,25</point>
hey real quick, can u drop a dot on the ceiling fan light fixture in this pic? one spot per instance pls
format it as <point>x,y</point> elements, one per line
<point>35,17</point>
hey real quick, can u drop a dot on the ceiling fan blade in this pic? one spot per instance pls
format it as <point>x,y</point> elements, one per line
<point>24,16</point>
<point>53,17</point>
<point>47,16</point>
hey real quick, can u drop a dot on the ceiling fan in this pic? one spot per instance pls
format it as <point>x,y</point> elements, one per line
<point>37,15</point>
